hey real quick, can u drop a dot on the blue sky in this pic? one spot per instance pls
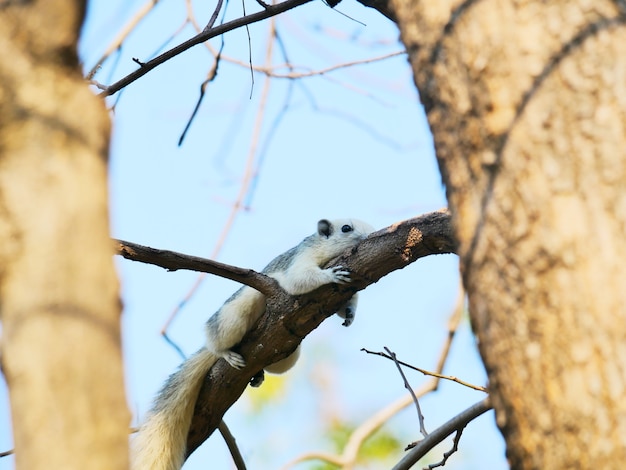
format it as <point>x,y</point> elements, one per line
<point>351,143</point>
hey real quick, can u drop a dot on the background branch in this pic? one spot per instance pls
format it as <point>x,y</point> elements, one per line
<point>271,10</point>
<point>366,429</point>
<point>455,424</point>
<point>426,372</point>
<point>420,416</point>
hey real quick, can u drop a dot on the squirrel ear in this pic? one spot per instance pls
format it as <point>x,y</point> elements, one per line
<point>324,227</point>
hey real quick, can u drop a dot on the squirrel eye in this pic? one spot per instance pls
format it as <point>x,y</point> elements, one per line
<point>346,228</point>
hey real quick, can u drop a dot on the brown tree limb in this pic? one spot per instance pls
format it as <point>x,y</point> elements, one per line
<point>173,261</point>
<point>289,319</point>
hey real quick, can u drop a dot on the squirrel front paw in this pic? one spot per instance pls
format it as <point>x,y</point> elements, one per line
<point>339,274</point>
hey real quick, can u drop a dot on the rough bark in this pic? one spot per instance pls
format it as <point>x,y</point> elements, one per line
<point>289,319</point>
<point>60,308</point>
<point>527,104</point>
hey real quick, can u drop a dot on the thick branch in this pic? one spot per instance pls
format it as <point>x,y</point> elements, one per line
<point>289,319</point>
<point>269,11</point>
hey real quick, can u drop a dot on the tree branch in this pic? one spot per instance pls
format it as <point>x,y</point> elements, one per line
<point>367,428</point>
<point>290,318</point>
<point>382,6</point>
<point>271,10</point>
<point>451,378</point>
<point>455,424</point>
<point>420,416</point>
<point>173,261</point>
<point>232,446</point>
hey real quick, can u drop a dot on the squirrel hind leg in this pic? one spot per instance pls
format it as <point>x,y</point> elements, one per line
<point>285,364</point>
<point>348,310</point>
<point>258,379</point>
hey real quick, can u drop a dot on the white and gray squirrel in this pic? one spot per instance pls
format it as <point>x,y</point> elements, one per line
<point>161,441</point>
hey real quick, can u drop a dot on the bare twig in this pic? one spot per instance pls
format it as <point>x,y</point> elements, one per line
<point>214,15</point>
<point>313,73</point>
<point>232,446</point>
<point>420,416</point>
<point>122,35</point>
<point>6,453</point>
<point>210,77</point>
<point>446,455</point>
<point>435,437</point>
<point>249,174</point>
<point>243,5</point>
<point>293,74</point>
<point>184,301</point>
<point>269,136</point>
<point>269,12</point>
<point>451,378</point>
<point>350,452</point>
<point>173,261</point>
<point>174,345</point>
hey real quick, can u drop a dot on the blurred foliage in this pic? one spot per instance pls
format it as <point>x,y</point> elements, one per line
<point>378,448</point>
<point>274,388</point>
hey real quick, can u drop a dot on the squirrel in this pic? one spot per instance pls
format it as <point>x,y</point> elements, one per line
<point>162,439</point>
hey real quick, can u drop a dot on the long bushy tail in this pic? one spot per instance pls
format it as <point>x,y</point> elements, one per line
<point>162,439</point>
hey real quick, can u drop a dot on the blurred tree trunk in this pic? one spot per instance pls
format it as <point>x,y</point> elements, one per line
<point>527,104</point>
<point>58,291</point>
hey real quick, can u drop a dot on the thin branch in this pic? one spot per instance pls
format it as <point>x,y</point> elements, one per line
<point>174,345</point>
<point>438,435</point>
<point>249,175</point>
<point>6,453</point>
<point>122,35</point>
<point>226,229</point>
<point>354,119</point>
<point>269,12</point>
<point>173,261</point>
<point>231,443</point>
<point>293,74</point>
<point>332,68</point>
<point>210,77</point>
<point>243,5</point>
<point>392,357</point>
<point>446,455</point>
<point>269,136</point>
<point>420,416</point>
<point>373,423</point>
<point>214,16</point>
